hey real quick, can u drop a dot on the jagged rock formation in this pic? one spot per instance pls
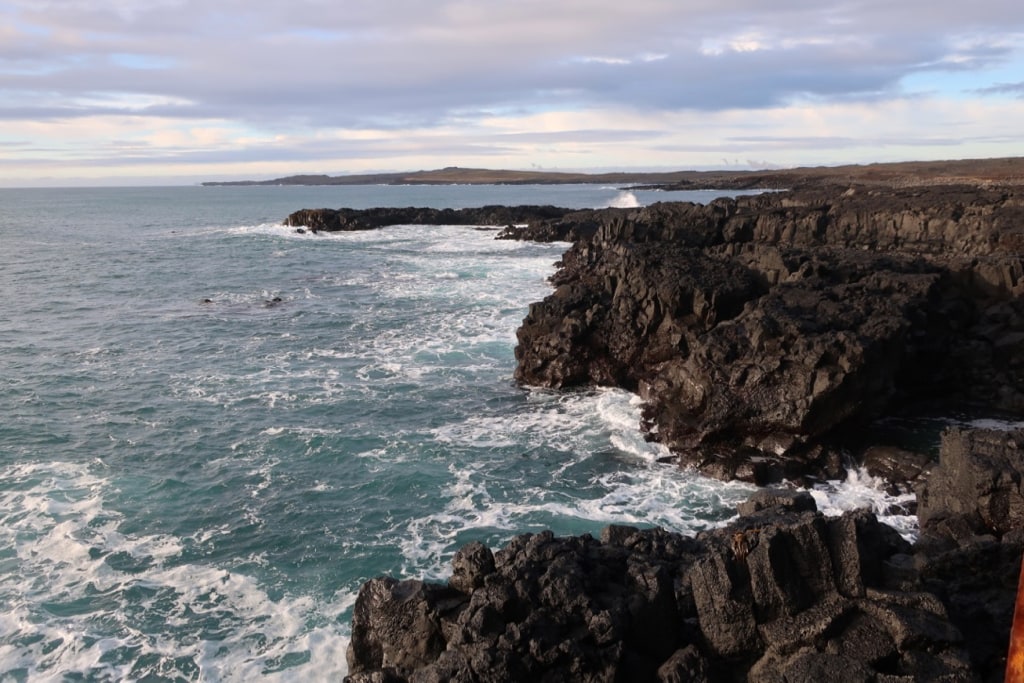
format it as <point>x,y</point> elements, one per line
<point>782,593</point>
<point>971,509</point>
<point>758,329</point>
<point>336,220</point>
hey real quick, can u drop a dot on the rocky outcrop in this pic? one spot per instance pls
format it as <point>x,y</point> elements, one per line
<point>971,510</point>
<point>759,330</point>
<point>337,220</point>
<point>765,332</point>
<point>781,594</point>
<point>976,490</point>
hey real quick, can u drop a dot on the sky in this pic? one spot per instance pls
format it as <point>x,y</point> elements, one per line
<point>125,92</point>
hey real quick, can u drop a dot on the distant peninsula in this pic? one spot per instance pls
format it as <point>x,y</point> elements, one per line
<point>454,175</point>
<point>969,171</point>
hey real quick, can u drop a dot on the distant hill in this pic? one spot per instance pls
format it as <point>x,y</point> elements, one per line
<point>454,175</point>
<point>1008,170</point>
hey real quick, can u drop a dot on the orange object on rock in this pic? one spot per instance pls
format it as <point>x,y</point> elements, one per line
<point>1015,656</point>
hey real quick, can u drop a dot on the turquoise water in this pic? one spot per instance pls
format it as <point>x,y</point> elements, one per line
<point>195,490</point>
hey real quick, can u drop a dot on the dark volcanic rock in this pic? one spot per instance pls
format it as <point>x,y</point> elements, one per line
<point>978,481</point>
<point>763,333</point>
<point>757,330</point>
<point>971,510</point>
<point>334,220</point>
<point>781,594</point>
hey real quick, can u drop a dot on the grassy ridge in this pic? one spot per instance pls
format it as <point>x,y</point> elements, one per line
<point>967,171</point>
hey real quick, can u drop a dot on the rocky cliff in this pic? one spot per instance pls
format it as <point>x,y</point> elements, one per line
<point>762,331</point>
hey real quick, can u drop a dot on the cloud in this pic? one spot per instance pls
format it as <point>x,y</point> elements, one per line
<point>1003,89</point>
<point>264,68</point>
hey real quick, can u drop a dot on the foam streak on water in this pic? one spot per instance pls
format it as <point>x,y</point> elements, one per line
<point>89,599</point>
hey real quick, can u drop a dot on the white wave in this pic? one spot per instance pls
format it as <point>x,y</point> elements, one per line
<point>279,230</point>
<point>994,424</point>
<point>471,327</point>
<point>84,600</point>
<point>636,489</point>
<point>647,495</point>
<point>562,421</point>
<point>601,471</point>
<point>624,200</point>
<point>860,490</point>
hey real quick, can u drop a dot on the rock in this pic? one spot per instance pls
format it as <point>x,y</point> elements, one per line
<point>977,585</point>
<point>763,334</point>
<point>969,554</point>
<point>811,665</point>
<point>760,331</point>
<point>786,500</point>
<point>978,478</point>
<point>863,640</point>
<point>396,626</point>
<point>900,467</point>
<point>725,610</point>
<point>783,593</point>
<point>649,605</point>
<point>862,549</point>
<point>471,566</point>
<point>684,666</point>
<point>335,220</point>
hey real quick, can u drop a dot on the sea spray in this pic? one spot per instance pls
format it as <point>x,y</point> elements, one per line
<point>624,200</point>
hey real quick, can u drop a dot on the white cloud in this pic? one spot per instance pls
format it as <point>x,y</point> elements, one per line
<point>596,81</point>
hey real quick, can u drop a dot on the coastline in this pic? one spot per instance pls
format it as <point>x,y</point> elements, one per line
<point>1005,171</point>
<point>899,257</point>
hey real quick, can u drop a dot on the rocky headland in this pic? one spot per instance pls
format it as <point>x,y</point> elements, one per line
<point>773,338</point>
<point>345,220</point>
<point>767,334</point>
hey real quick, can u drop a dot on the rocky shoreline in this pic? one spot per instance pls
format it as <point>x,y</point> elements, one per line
<point>781,594</point>
<point>767,336</point>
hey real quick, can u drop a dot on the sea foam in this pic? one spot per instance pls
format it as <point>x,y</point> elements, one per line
<point>90,601</point>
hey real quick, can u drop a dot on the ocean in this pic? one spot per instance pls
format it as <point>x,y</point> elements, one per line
<point>214,428</point>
